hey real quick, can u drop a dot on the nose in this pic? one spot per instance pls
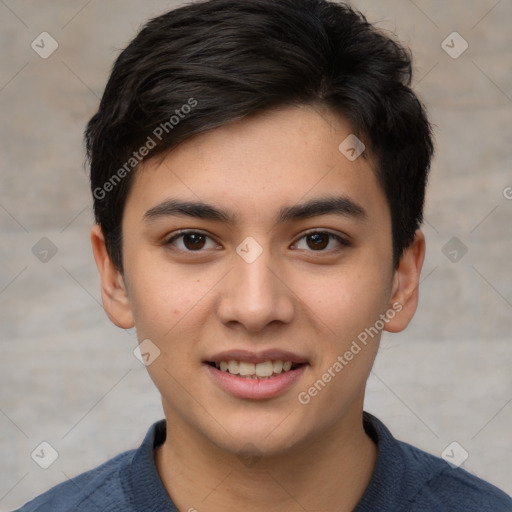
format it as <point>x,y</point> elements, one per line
<point>254,294</point>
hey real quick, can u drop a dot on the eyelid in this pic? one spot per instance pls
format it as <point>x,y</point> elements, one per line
<point>175,234</point>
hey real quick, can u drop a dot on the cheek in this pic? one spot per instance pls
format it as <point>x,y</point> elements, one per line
<point>170,302</point>
<point>349,300</point>
<point>157,304</point>
<point>344,308</point>
<point>158,297</point>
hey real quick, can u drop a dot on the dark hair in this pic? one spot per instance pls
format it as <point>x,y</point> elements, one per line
<point>206,64</point>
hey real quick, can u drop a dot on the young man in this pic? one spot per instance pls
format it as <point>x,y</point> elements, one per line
<point>258,171</point>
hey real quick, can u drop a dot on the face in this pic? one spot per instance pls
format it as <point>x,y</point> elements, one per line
<point>259,247</point>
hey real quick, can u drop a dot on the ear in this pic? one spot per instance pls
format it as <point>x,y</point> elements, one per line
<point>404,298</point>
<point>113,289</point>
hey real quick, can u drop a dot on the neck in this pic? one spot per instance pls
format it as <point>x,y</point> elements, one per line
<point>333,468</point>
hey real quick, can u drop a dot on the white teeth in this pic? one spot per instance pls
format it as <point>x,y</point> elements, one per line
<point>260,370</point>
<point>278,366</point>
<point>233,367</point>
<point>247,368</point>
<point>265,369</point>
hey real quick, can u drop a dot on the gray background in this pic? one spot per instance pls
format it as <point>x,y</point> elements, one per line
<point>69,377</point>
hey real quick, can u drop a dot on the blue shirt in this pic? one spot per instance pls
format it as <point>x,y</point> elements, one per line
<point>405,479</point>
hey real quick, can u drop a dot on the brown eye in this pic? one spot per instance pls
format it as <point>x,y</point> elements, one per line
<point>192,241</point>
<point>321,241</point>
<point>318,241</point>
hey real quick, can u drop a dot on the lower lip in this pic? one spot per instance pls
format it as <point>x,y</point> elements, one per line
<point>255,389</point>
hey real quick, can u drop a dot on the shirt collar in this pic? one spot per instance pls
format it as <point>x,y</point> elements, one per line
<point>149,493</point>
<point>385,486</point>
<point>381,494</point>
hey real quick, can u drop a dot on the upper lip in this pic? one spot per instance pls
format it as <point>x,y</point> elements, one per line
<point>257,357</point>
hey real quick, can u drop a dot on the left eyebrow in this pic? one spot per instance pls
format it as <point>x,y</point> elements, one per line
<point>339,205</point>
<point>332,205</point>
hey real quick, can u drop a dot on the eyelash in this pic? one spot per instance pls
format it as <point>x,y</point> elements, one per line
<point>342,241</point>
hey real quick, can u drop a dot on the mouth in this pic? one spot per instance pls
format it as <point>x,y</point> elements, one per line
<point>260,371</point>
<point>256,376</point>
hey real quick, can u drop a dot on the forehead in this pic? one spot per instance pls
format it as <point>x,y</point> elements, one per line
<point>262,165</point>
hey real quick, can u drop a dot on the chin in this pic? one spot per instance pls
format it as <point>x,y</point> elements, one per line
<point>269,435</point>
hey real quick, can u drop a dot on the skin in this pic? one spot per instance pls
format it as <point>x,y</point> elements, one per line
<point>295,296</point>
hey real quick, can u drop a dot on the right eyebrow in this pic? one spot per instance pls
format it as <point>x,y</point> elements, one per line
<point>173,207</point>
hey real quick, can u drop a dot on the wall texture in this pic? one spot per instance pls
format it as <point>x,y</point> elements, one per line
<point>69,377</point>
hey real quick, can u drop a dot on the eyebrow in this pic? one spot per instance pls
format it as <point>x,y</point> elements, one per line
<point>340,205</point>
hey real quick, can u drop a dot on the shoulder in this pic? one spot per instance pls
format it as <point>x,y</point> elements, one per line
<point>408,479</point>
<point>122,484</point>
<point>90,491</point>
<point>446,487</point>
